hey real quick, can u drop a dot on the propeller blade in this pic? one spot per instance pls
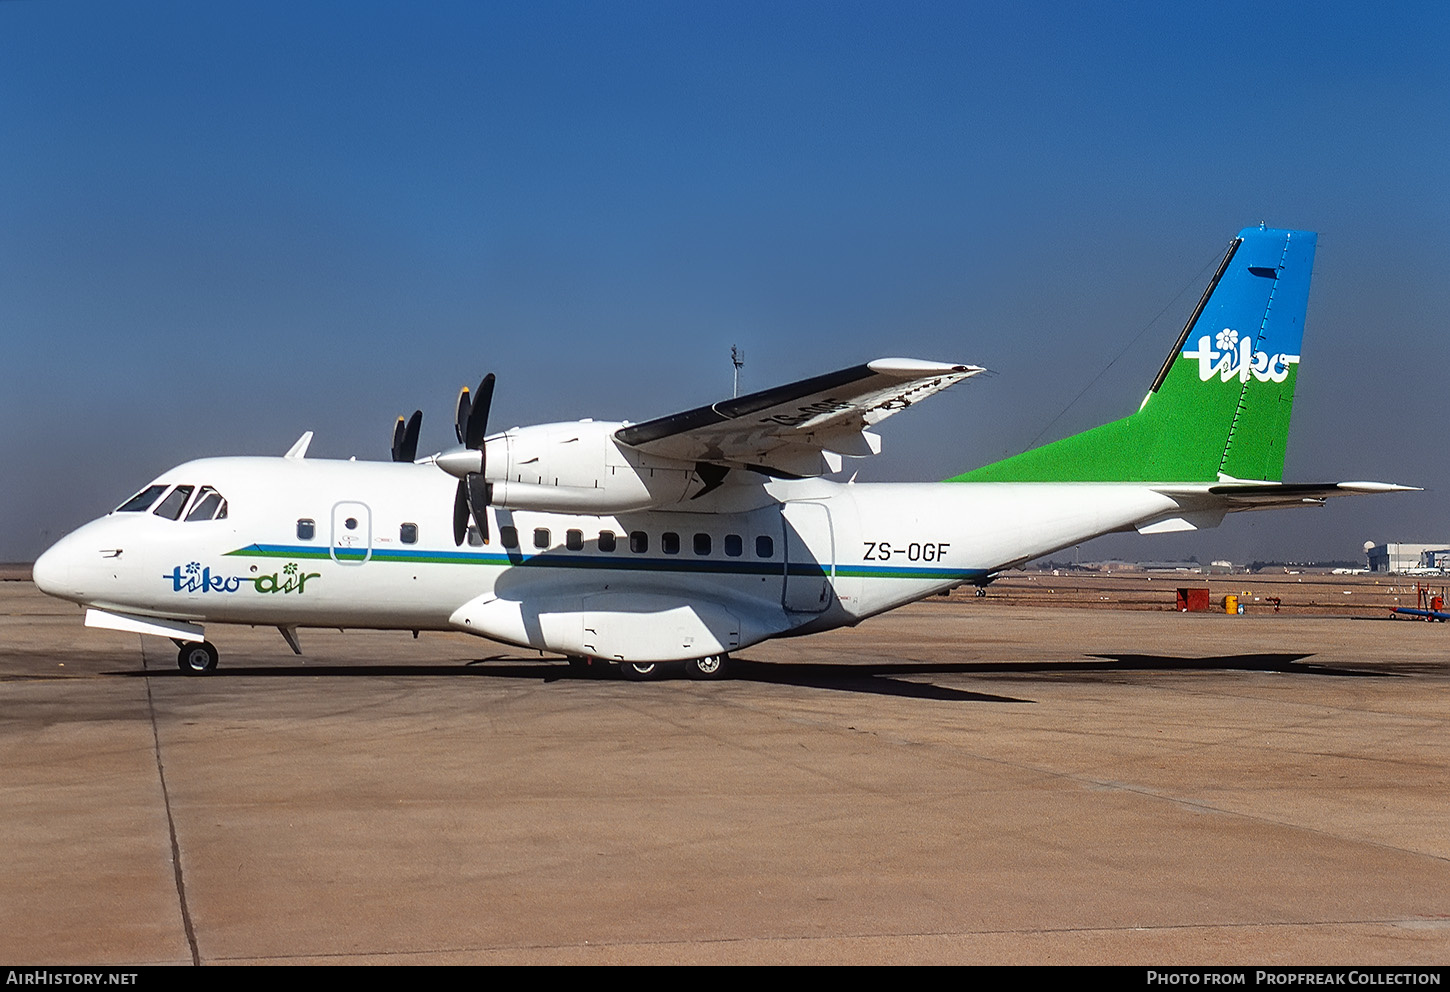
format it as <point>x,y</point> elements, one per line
<point>460,419</point>
<point>405,438</point>
<point>460,513</point>
<point>398,430</point>
<point>479,495</point>
<point>477,427</point>
<point>474,494</point>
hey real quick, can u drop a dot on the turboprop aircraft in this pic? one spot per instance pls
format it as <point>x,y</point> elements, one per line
<point>684,538</point>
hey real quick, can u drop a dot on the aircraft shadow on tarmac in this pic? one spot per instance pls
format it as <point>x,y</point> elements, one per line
<point>885,679</point>
<point>1284,663</point>
<point>874,679</point>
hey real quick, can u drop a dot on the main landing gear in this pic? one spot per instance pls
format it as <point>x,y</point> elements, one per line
<point>708,668</point>
<point>197,658</point>
<point>640,671</point>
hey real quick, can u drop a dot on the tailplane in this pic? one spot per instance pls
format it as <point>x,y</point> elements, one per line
<point>1219,408</point>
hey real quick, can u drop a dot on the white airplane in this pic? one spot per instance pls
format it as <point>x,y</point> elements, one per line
<point>684,538</point>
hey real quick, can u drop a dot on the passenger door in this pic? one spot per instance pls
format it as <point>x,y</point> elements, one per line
<point>352,533</point>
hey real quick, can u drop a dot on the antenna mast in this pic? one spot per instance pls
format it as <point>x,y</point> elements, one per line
<point>737,358</point>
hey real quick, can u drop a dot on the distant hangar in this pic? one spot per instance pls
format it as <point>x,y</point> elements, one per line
<point>1409,559</point>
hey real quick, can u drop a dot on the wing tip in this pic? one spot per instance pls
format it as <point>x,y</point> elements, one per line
<point>1379,487</point>
<point>913,367</point>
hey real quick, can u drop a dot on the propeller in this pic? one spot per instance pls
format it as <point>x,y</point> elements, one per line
<point>470,423</point>
<point>405,438</point>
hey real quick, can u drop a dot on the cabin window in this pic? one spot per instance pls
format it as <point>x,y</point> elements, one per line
<point>638,541</point>
<point>207,505</point>
<point>606,540</point>
<point>764,547</point>
<point>702,544</point>
<point>174,503</point>
<point>574,540</point>
<point>408,533</point>
<point>541,537</point>
<point>670,543</point>
<point>734,546</point>
<point>475,537</point>
<point>509,536</point>
<point>306,529</point>
<point>141,501</point>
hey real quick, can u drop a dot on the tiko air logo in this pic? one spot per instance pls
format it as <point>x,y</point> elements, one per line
<point>194,578</point>
<point>1231,356</point>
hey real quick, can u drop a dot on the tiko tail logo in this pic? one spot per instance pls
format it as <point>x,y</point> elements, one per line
<point>1232,356</point>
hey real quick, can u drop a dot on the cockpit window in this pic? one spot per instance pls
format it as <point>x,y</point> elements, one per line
<point>141,501</point>
<point>174,503</point>
<point>209,504</point>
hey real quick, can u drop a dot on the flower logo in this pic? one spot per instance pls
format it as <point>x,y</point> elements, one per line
<point>1227,339</point>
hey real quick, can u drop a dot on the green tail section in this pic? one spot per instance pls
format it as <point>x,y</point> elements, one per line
<point>1220,406</point>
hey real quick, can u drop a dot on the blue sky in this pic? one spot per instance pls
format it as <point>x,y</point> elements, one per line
<point>222,224</point>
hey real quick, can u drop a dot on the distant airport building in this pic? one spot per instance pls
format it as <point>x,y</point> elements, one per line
<point>1408,558</point>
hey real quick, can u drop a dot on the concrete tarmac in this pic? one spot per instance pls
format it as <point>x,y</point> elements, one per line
<point>957,782</point>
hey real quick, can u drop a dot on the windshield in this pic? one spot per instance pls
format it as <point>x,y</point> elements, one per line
<point>174,503</point>
<point>209,505</point>
<point>142,501</point>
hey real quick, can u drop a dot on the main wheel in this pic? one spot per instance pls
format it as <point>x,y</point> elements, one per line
<point>639,671</point>
<point>198,658</point>
<point>707,668</point>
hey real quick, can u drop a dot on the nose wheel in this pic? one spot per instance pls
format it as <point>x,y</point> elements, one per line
<point>197,658</point>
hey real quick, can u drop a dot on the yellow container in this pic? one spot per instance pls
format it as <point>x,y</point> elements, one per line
<point>1231,604</point>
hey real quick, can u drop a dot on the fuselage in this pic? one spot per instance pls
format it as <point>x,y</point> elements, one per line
<point>680,538</point>
<point>317,543</point>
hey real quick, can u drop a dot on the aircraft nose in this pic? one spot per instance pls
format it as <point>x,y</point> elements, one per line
<point>51,571</point>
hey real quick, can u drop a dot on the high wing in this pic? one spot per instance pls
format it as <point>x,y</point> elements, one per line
<point>800,429</point>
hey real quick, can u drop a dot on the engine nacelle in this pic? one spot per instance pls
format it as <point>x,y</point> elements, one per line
<point>573,468</point>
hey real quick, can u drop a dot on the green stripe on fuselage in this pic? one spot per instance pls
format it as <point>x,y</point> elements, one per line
<point>574,560</point>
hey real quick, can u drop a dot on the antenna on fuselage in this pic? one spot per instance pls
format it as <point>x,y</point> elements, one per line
<point>737,358</point>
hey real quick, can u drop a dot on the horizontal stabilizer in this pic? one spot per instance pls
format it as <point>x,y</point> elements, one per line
<point>1262,495</point>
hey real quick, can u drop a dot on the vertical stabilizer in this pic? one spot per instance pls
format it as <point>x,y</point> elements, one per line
<point>1219,407</point>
